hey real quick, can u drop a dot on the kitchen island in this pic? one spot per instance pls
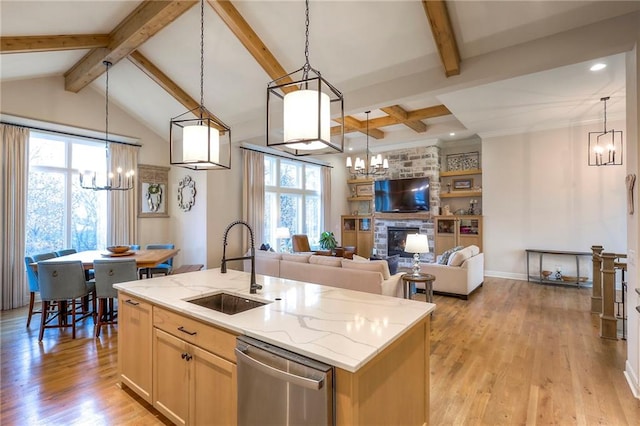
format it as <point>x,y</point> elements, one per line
<point>378,345</point>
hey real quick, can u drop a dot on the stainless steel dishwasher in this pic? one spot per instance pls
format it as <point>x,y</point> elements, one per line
<point>279,387</point>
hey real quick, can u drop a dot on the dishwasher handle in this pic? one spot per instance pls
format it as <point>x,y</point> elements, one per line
<point>305,382</point>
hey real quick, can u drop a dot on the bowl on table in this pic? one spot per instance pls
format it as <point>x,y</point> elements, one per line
<point>118,249</point>
<point>546,274</point>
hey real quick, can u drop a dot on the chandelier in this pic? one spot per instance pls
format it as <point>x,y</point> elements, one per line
<point>299,110</point>
<point>195,143</point>
<point>112,182</point>
<point>605,148</point>
<point>366,167</point>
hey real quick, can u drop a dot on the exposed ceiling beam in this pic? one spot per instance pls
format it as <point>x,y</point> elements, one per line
<point>143,23</point>
<point>443,35</point>
<point>355,125</point>
<point>146,66</point>
<point>30,44</point>
<point>261,53</point>
<point>352,124</point>
<point>396,111</point>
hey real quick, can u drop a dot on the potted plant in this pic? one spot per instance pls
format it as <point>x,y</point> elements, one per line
<point>328,241</point>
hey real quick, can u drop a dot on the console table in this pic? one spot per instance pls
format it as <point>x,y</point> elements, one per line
<point>541,253</point>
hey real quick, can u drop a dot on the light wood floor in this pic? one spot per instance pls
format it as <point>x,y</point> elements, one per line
<point>515,353</point>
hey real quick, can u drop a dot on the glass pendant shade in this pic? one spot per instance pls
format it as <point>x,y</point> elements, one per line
<point>302,120</point>
<point>200,144</point>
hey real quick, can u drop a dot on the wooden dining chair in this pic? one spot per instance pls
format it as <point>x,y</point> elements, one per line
<point>109,272</point>
<point>63,282</point>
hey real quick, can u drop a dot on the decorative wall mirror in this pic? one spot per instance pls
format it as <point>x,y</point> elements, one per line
<point>152,187</point>
<point>186,193</point>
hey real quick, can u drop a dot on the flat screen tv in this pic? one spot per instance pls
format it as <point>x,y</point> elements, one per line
<point>402,195</point>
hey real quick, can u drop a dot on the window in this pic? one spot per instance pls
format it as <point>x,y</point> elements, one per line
<point>293,198</point>
<point>60,214</point>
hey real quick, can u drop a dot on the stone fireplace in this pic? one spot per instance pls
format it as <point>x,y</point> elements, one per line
<point>390,229</point>
<point>396,239</point>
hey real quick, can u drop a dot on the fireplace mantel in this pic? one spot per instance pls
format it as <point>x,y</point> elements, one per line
<point>403,216</point>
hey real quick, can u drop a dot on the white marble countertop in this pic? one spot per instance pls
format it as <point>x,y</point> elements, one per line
<point>340,327</point>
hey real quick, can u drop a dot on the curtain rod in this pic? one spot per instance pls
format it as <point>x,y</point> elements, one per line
<point>59,132</point>
<point>275,154</point>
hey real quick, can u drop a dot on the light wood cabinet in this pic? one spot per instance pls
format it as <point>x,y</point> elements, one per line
<point>192,385</point>
<point>452,231</point>
<point>358,231</point>
<point>135,345</point>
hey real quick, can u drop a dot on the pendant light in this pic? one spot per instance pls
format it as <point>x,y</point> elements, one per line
<point>366,168</point>
<point>299,109</point>
<point>112,182</point>
<point>605,148</point>
<point>204,142</point>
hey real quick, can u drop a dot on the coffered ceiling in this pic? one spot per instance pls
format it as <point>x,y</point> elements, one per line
<point>488,67</point>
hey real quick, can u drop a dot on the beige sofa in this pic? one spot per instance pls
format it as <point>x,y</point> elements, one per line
<point>463,273</point>
<point>368,276</point>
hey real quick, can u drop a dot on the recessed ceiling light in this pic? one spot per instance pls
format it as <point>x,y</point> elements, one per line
<point>598,67</point>
<point>452,134</point>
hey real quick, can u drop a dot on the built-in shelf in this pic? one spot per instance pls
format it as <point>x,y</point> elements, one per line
<point>361,198</point>
<point>458,194</point>
<point>461,172</point>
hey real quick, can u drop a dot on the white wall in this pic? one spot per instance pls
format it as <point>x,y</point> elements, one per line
<point>46,100</point>
<point>632,368</point>
<point>540,193</point>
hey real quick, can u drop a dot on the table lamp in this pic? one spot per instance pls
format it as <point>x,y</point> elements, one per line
<point>416,244</point>
<point>281,235</point>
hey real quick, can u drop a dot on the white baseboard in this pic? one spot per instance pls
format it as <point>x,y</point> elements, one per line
<point>632,379</point>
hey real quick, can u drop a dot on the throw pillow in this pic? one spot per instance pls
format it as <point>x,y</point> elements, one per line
<point>392,261</point>
<point>296,257</point>
<point>326,260</point>
<point>458,258</point>
<point>374,266</point>
<point>360,258</point>
<point>444,257</point>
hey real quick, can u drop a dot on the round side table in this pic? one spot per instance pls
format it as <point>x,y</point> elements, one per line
<point>427,279</point>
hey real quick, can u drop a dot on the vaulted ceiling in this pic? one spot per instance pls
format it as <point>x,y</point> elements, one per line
<point>426,69</point>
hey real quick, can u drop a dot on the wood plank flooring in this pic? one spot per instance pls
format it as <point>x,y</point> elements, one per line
<point>515,353</point>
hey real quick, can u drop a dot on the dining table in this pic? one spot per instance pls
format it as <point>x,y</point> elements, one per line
<point>143,258</point>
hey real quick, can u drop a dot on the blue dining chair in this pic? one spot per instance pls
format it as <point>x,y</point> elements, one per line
<point>65,252</point>
<point>63,282</point>
<point>109,272</point>
<point>163,268</point>
<point>32,277</point>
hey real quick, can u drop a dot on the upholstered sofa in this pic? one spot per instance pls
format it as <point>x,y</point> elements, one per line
<point>368,276</point>
<point>460,276</point>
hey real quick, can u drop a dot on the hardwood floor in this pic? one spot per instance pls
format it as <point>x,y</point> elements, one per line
<point>514,353</point>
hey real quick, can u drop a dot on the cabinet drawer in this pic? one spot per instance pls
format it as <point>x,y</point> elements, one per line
<point>208,337</point>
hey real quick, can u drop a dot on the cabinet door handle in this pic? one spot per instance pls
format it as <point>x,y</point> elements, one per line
<point>190,333</point>
<point>131,302</point>
<point>186,355</point>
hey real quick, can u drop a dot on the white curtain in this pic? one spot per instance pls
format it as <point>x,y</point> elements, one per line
<point>121,205</point>
<point>14,179</point>
<point>253,193</point>
<point>326,197</point>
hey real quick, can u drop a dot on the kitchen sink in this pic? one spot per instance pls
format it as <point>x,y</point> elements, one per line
<point>227,303</point>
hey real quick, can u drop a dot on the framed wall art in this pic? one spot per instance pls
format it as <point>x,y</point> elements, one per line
<point>153,190</point>
<point>364,190</point>
<point>463,184</point>
<point>463,161</point>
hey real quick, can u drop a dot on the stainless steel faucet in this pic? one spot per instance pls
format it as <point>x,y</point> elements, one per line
<point>253,287</point>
